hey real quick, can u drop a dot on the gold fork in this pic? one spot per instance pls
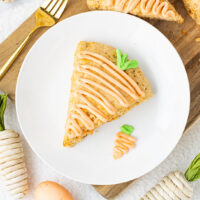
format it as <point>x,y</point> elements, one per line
<point>47,15</point>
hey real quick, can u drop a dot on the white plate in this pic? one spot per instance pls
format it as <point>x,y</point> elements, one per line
<point>43,91</point>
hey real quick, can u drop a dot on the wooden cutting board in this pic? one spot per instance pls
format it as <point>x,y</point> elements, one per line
<point>182,37</point>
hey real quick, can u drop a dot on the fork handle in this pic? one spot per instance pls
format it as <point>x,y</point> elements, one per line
<point>12,58</point>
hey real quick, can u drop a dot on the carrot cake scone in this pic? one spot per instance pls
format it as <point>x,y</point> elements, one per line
<point>105,85</point>
<point>158,9</point>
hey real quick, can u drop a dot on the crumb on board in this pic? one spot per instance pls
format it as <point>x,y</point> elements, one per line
<point>183,32</point>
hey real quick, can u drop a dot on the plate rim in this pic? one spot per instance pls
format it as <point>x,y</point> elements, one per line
<point>93,13</point>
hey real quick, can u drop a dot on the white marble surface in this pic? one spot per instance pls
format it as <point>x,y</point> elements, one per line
<point>11,16</point>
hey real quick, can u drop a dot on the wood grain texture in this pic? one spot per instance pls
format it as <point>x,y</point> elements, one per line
<point>182,36</point>
<point>7,47</point>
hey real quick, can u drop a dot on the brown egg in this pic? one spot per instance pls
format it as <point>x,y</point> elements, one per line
<point>49,190</point>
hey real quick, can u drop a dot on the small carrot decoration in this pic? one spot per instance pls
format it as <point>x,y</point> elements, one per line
<point>176,186</point>
<point>124,142</point>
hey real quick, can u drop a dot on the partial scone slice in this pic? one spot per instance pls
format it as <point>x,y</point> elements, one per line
<point>158,9</point>
<point>193,7</point>
<point>100,90</point>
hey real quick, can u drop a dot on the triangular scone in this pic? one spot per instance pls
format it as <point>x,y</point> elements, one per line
<point>193,7</point>
<point>158,9</point>
<point>100,90</point>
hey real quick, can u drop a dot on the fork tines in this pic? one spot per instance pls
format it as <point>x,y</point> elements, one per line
<point>54,7</point>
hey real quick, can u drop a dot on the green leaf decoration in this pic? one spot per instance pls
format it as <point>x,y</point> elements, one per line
<point>119,57</point>
<point>123,63</point>
<point>124,58</point>
<point>3,102</point>
<point>127,129</point>
<point>131,64</point>
<point>193,171</point>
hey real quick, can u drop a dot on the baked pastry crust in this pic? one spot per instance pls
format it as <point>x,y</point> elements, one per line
<point>109,53</point>
<point>193,7</point>
<point>139,8</point>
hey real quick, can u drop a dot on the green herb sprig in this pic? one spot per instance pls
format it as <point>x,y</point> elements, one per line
<point>127,129</point>
<point>3,102</point>
<point>193,171</point>
<point>123,63</point>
